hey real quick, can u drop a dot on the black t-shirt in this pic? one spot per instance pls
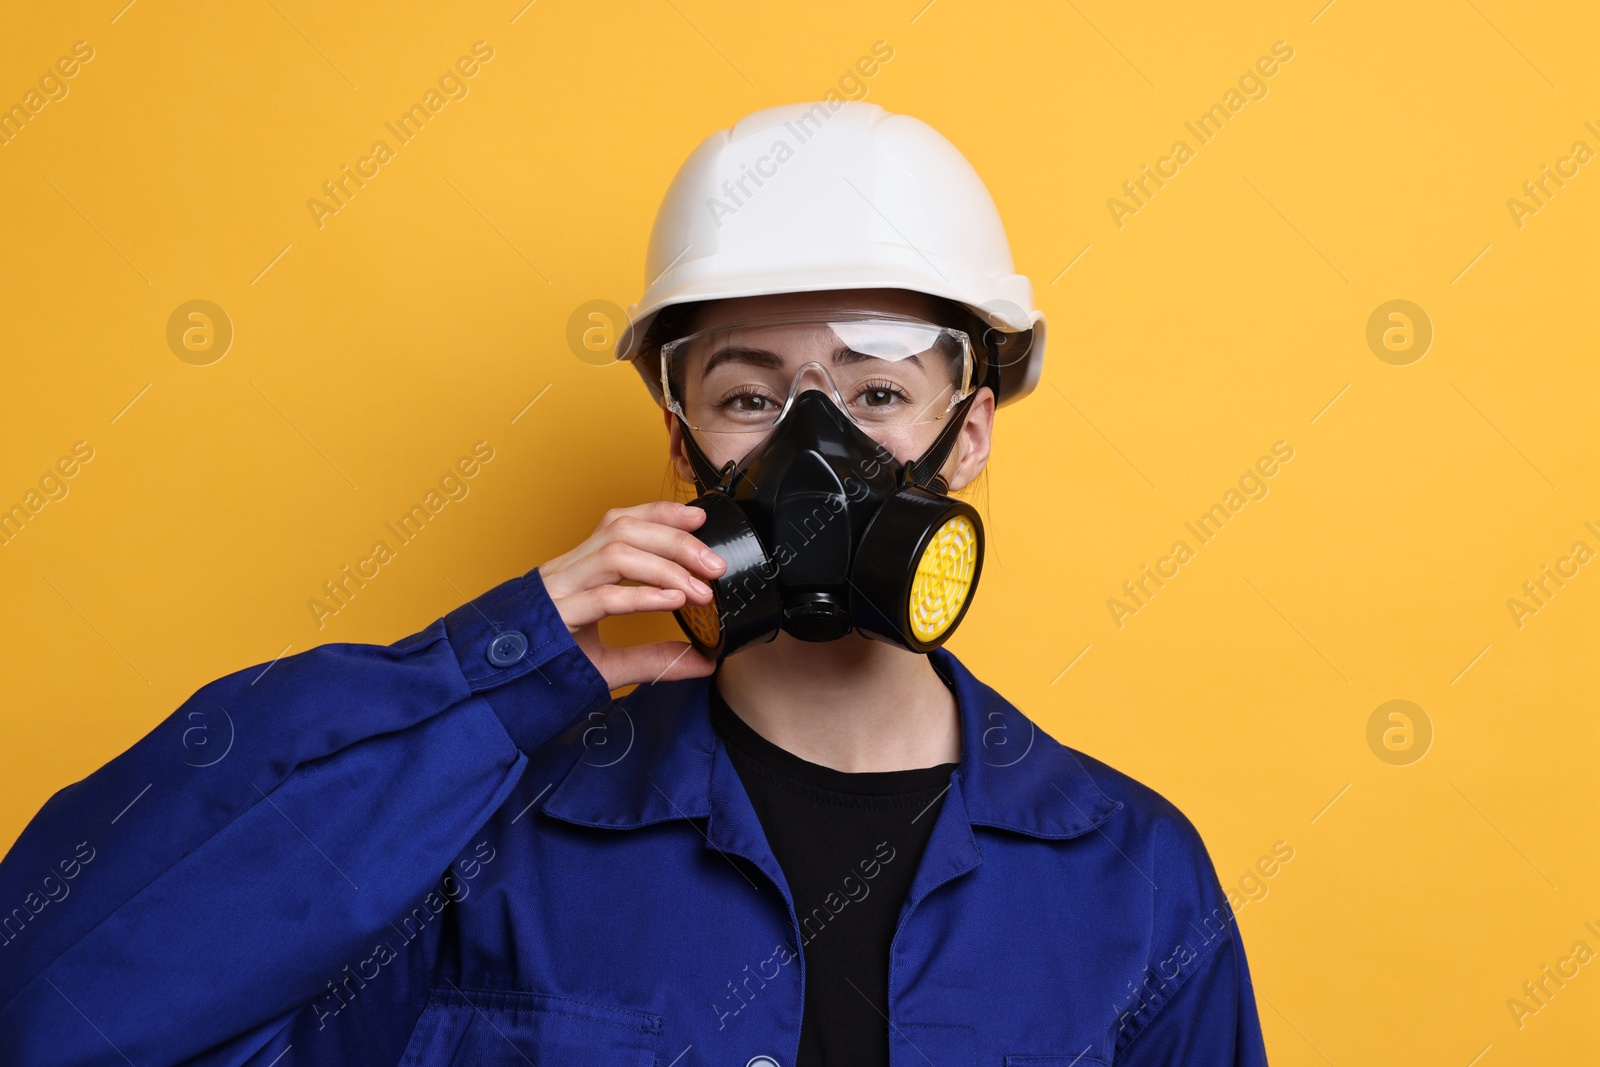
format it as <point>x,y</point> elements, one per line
<point>848,844</point>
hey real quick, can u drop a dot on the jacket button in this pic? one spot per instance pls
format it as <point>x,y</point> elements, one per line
<point>507,648</point>
<point>762,1061</point>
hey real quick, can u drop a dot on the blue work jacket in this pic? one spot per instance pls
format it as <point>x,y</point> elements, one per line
<point>458,849</point>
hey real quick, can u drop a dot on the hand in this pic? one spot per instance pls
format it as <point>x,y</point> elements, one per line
<point>650,544</point>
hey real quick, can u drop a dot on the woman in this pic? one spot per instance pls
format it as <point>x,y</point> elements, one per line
<point>810,836</point>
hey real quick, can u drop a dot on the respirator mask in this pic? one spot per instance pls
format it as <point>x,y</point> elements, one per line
<point>791,426</point>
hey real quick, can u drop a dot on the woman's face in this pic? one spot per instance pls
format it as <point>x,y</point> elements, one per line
<point>919,389</point>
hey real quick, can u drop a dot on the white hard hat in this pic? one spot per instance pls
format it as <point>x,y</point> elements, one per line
<point>836,195</point>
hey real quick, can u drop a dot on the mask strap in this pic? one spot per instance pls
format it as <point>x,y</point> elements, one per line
<point>924,470</point>
<point>700,463</point>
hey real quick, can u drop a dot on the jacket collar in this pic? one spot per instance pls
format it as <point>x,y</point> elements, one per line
<point>655,757</point>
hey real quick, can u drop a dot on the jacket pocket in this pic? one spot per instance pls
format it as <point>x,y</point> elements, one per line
<point>508,1028</point>
<point>1083,1059</point>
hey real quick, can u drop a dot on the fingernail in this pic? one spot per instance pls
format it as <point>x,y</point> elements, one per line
<point>712,560</point>
<point>699,586</point>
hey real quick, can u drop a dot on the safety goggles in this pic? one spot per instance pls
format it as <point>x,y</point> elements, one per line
<point>888,373</point>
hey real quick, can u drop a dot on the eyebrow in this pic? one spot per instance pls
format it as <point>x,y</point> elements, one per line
<point>765,357</point>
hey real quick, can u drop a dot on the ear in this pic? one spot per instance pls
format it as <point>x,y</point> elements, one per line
<point>675,450</point>
<point>971,452</point>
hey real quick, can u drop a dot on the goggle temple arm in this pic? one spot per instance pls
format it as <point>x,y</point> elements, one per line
<point>705,471</point>
<point>924,470</point>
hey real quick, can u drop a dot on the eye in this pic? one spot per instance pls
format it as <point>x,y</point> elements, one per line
<point>747,401</point>
<point>881,394</point>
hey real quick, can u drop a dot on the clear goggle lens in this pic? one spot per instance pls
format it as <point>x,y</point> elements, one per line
<point>888,373</point>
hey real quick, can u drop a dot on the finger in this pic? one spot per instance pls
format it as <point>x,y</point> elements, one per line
<point>591,606</point>
<point>667,542</point>
<point>663,513</point>
<point>661,661</point>
<point>620,561</point>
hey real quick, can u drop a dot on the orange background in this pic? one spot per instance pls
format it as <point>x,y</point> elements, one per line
<point>1229,312</point>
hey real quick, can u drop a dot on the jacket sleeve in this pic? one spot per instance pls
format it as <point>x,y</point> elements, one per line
<point>1194,1003</point>
<point>203,887</point>
<point>1211,1021</point>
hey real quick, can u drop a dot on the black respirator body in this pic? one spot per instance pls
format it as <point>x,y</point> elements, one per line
<point>825,532</point>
